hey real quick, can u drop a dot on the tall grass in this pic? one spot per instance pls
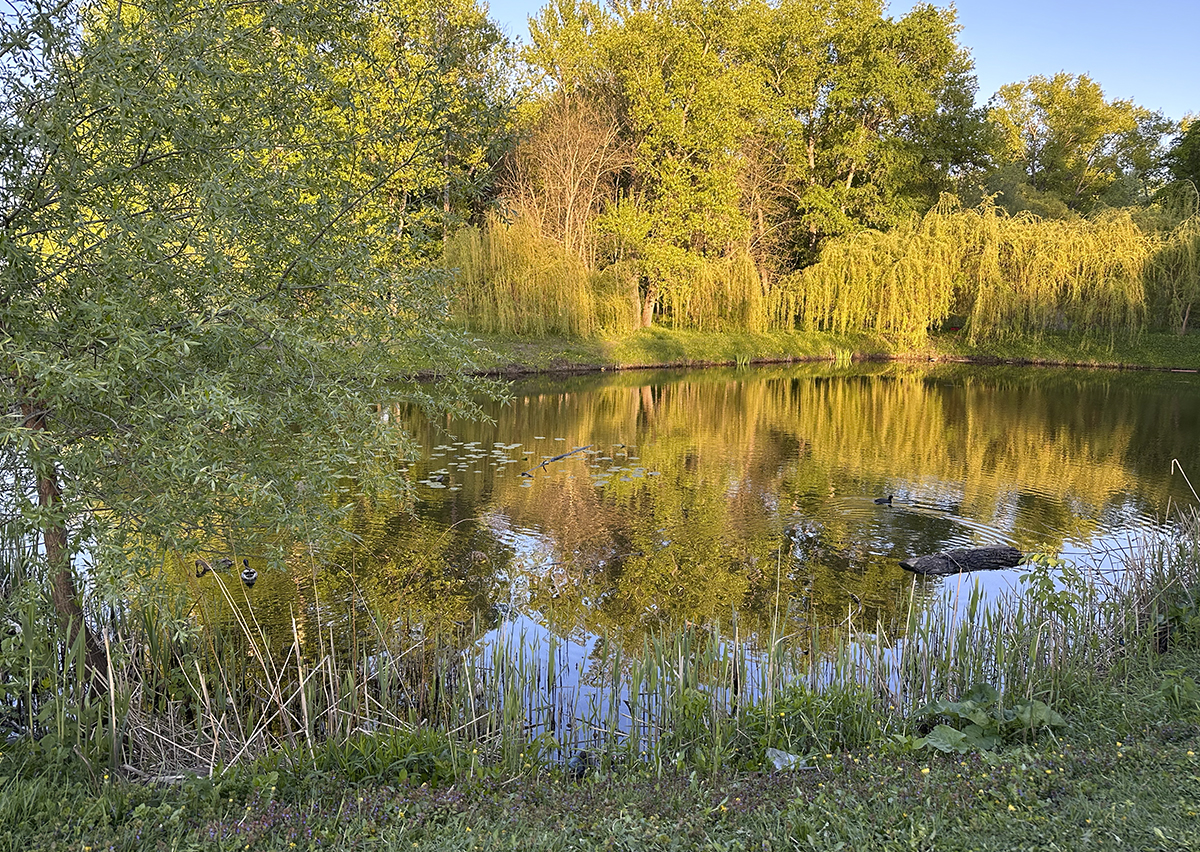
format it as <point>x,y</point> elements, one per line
<point>400,704</point>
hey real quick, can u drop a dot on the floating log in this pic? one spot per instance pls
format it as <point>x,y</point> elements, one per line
<point>964,559</point>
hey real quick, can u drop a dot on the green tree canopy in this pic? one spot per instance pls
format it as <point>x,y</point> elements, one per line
<point>739,131</point>
<point>208,284</point>
<point>1184,156</point>
<point>1068,145</point>
<point>866,117</point>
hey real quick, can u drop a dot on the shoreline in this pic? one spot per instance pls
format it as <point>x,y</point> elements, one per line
<point>650,349</point>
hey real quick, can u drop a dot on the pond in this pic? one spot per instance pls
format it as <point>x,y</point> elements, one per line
<point>744,500</point>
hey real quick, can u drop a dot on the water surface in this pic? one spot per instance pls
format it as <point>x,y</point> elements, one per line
<point>613,504</point>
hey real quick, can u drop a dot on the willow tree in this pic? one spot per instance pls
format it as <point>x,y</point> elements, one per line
<point>204,284</point>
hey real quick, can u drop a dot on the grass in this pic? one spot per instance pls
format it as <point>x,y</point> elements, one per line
<point>687,698</point>
<point>1125,774</point>
<point>1154,350</point>
<point>662,347</point>
<point>1120,771</point>
<point>659,346</point>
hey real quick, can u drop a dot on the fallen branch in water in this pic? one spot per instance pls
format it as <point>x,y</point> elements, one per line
<point>964,559</point>
<point>529,472</point>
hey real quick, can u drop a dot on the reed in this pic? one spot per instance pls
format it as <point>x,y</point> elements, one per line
<point>398,704</point>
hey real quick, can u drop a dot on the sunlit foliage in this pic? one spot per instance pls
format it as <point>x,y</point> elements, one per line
<point>214,253</point>
<point>1001,276</point>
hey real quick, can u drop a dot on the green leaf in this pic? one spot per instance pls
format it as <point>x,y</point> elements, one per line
<point>983,694</point>
<point>947,739</point>
<point>982,738</point>
<point>1035,714</point>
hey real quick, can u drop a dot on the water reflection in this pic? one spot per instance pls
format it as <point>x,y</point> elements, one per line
<point>613,504</point>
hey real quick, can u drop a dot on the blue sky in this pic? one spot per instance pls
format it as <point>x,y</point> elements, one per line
<point>1148,51</point>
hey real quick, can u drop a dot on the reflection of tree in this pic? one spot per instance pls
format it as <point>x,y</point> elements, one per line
<point>415,568</point>
<point>760,506</point>
<point>743,457</point>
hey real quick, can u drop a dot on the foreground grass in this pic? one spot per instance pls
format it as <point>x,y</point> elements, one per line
<point>672,347</point>
<point>1124,775</point>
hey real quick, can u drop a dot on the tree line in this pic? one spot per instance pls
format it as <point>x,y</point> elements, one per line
<point>683,161</point>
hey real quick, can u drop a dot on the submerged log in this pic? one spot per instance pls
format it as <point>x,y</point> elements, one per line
<point>964,559</point>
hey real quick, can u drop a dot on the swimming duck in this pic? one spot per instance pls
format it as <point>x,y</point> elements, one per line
<point>884,500</point>
<point>249,575</point>
<point>203,567</point>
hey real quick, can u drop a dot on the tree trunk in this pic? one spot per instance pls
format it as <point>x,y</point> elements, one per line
<point>63,591</point>
<point>648,309</point>
<point>446,187</point>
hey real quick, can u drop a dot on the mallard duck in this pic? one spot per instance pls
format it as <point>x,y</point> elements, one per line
<point>203,567</point>
<point>249,575</point>
<point>882,500</point>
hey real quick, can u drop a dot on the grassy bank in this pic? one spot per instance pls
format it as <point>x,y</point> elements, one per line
<point>881,746</point>
<point>1124,775</point>
<point>657,347</point>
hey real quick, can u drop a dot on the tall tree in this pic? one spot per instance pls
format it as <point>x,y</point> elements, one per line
<point>754,130</point>
<point>1073,146</point>
<point>205,283</point>
<point>469,63</point>
<point>561,172</point>
<point>851,101</point>
<point>684,108</point>
<point>1184,156</point>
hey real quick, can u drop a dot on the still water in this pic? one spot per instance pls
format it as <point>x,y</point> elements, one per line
<point>610,504</point>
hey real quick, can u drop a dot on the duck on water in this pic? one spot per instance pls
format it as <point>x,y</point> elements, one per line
<point>249,575</point>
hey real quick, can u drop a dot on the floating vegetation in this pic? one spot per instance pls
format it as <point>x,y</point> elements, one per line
<point>460,457</point>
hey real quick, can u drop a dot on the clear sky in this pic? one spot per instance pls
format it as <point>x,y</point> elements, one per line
<point>1146,51</point>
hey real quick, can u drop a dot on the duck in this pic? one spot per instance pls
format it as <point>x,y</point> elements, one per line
<point>579,765</point>
<point>884,500</point>
<point>249,575</point>
<point>203,567</point>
